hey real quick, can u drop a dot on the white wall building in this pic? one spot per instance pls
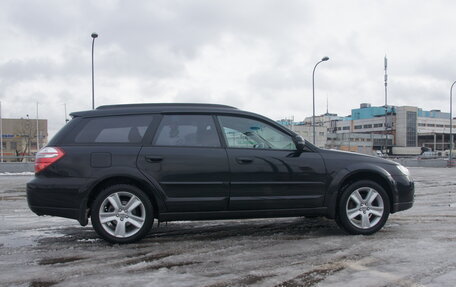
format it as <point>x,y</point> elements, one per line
<point>404,126</point>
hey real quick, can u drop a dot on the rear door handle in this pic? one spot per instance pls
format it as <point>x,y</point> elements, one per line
<point>244,159</point>
<point>154,158</point>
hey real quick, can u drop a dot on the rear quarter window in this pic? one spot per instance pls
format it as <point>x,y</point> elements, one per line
<point>114,129</point>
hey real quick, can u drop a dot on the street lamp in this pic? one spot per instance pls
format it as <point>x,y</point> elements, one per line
<point>450,162</point>
<point>313,95</point>
<point>94,35</point>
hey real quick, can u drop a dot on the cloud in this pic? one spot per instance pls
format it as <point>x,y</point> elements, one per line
<point>256,55</point>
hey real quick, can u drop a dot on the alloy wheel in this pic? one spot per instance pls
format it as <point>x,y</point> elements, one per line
<point>365,207</point>
<point>122,214</point>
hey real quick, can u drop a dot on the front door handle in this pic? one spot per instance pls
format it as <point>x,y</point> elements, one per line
<point>154,158</point>
<point>244,159</point>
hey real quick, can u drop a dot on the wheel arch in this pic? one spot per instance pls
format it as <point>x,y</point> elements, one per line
<point>347,177</point>
<point>145,186</point>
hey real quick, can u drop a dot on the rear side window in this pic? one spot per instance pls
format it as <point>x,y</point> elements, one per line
<point>118,129</point>
<point>187,130</point>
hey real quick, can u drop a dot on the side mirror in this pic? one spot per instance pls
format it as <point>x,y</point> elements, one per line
<point>299,142</point>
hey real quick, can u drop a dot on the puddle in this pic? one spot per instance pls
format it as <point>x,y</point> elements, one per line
<point>43,283</point>
<point>147,258</point>
<point>312,277</point>
<point>169,265</point>
<point>14,197</point>
<point>26,237</point>
<point>10,191</point>
<point>59,260</point>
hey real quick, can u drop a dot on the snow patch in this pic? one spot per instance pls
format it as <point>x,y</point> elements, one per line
<point>90,240</point>
<point>16,173</point>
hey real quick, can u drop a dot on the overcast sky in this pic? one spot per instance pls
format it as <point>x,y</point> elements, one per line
<point>255,55</point>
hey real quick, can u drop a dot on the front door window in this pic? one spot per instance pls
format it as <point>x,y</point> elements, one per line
<point>248,133</point>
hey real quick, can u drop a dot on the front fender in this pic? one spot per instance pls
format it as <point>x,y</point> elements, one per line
<point>353,172</point>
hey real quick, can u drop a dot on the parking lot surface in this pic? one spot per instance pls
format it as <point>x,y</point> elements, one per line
<point>417,247</point>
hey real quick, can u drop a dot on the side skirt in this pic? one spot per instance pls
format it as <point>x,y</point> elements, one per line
<point>240,214</point>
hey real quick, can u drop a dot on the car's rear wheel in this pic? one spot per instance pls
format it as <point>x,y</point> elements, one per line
<point>122,214</point>
<point>363,208</point>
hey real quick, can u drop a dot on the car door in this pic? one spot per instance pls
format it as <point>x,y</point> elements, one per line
<point>267,171</point>
<point>188,163</point>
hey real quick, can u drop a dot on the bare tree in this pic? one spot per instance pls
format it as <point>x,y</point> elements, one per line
<point>26,131</point>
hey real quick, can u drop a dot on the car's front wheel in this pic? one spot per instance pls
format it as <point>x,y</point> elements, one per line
<point>363,208</point>
<point>122,214</point>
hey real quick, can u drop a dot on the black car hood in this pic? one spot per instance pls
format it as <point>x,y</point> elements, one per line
<point>353,157</point>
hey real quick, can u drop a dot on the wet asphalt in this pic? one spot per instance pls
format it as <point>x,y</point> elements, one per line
<point>417,247</point>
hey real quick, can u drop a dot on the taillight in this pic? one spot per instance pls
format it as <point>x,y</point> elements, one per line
<point>46,157</point>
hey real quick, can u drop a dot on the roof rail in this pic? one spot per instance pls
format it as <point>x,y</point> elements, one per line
<point>171,105</point>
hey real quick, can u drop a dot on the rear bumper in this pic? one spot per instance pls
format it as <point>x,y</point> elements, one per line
<point>47,197</point>
<point>55,211</point>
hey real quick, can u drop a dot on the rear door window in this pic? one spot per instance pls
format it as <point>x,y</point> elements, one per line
<point>118,129</point>
<point>187,130</point>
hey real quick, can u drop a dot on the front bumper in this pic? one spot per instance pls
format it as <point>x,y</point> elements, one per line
<point>405,196</point>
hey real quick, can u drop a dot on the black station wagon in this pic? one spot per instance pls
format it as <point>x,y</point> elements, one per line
<point>125,165</point>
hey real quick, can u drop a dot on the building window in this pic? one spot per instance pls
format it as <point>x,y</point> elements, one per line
<point>431,125</point>
<point>346,128</point>
<point>411,129</point>
<point>439,126</point>
<point>13,145</point>
<point>339,128</point>
<point>447,126</point>
<point>378,125</point>
<point>322,133</point>
<point>421,125</point>
<point>367,126</point>
<point>358,127</point>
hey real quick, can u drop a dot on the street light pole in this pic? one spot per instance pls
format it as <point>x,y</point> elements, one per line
<point>94,35</point>
<point>1,133</point>
<point>450,162</point>
<point>37,130</point>
<point>386,105</point>
<point>313,96</point>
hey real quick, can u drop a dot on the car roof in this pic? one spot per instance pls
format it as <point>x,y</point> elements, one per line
<point>163,108</point>
<point>166,106</point>
<point>124,109</point>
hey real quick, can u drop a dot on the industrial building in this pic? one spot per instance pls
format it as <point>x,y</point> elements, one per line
<point>374,128</point>
<point>22,138</point>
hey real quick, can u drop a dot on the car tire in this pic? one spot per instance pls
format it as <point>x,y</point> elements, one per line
<point>122,214</point>
<point>363,208</point>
